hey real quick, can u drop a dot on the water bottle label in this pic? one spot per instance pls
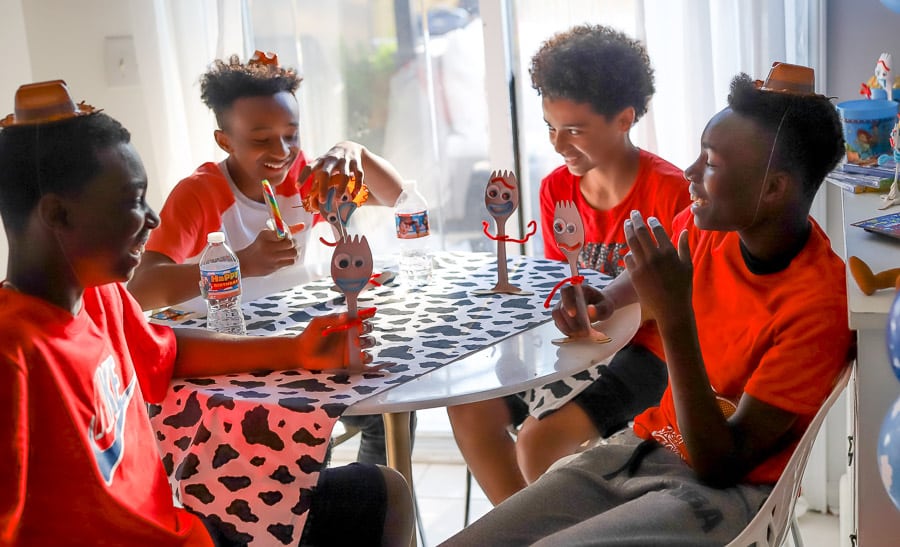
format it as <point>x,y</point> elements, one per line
<point>412,225</point>
<point>221,283</point>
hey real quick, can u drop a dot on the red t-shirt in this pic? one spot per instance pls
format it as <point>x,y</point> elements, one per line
<point>81,463</point>
<point>208,201</point>
<point>659,190</point>
<point>781,337</point>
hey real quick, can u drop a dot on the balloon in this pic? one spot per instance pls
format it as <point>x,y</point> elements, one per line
<point>889,452</point>
<point>893,334</point>
<point>893,5</point>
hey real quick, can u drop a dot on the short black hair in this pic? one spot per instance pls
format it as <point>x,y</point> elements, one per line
<point>594,64</point>
<point>810,141</point>
<point>59,157</point>
<point>228,81</point>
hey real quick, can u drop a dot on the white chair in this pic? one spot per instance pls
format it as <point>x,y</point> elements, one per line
<point>770,525</point>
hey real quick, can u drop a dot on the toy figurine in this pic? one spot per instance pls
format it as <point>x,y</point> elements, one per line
<point>351,269</point>
<point>868,281</point>
<point>569,231</point>
<point>893,196</point>
<point>501,198</point>
<point>883,74</point>
<point>337,209</point>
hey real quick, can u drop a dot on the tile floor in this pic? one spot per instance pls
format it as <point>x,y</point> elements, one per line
<point>439,477</point>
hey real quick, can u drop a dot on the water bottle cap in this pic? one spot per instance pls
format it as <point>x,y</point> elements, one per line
<point>215,237</point>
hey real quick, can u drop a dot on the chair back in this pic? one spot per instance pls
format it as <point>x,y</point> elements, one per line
<point>770,525</point>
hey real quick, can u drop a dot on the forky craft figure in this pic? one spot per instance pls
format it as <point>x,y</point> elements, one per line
<point>569,232</point>
<point>351,270</point>
<point>893,196</point>
<point>336,210</point>
<point>501,198</point>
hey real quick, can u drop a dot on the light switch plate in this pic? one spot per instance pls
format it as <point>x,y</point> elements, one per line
<point>120,61</point>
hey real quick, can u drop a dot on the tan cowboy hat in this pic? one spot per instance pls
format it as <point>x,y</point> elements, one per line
<point>44,102</point>
<point>788,78</point>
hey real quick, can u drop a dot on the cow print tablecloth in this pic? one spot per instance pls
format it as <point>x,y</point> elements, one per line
<point>244,449</point>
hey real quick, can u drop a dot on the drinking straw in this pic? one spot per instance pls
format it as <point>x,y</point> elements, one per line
<point>280,227</point>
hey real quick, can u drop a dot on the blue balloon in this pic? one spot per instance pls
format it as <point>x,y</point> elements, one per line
<point>893,334</point>
<point>893,5</point>
<point>889,452</point>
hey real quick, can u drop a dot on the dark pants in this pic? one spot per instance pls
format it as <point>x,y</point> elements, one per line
<point>372,444</point>
<point>634,381</point>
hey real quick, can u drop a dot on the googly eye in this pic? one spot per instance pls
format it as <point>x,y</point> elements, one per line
<point>506,196</point>
<point>570,228</point>
<point>492,192</point>
<point>342,261</point>
<point>559,226</point>
<point>359,262</point>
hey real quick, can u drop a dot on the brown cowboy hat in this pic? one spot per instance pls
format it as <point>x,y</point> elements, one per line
<point>788,78</point>
<point>44,102</point>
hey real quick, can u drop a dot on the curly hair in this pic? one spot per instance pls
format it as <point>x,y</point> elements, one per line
<point>228,81</point>
<point>59,157</point>
<point>810,141</point>
<point>594,64</point>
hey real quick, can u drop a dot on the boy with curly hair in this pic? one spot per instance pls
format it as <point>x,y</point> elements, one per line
<point>79,361</point>
<point>595,83</point>
<point>752,310</point>
<point>259,127</point>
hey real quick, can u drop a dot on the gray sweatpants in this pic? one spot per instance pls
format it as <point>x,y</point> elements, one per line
<point>662,503</point>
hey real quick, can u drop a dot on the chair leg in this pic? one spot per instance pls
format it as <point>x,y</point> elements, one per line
<point>795,532</point>
<point>419,521</point>
<point>468,496</point>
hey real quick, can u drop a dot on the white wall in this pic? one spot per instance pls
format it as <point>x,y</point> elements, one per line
<point>16,70</point>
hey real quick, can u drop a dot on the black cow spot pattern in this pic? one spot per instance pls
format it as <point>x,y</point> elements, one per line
<point>245,450</point>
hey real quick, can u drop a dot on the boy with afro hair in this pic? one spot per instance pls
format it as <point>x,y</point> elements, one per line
<point>751,306</point>
<point>259,127</point>
<point>595,83</point>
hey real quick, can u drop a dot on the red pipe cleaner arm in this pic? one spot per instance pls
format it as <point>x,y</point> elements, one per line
<point>365,313</point>
<point>575,280</point>
<point>532,227</point>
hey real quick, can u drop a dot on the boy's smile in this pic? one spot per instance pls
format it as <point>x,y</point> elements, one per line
<point>581,136</point>
<point>726,178</point>
<point>110,220</point>
<point>261,136</point>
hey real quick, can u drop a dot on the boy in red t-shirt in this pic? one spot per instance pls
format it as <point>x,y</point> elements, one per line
<point>258,118</point>
<point>751,305</point>
<point>595,84</point>
<point>78,360</point>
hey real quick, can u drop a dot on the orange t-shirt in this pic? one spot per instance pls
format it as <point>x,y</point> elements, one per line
<point>780,337</point>
<point>659,190</point>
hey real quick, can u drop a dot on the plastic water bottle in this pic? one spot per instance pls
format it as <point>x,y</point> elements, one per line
<point>220,285</point>
<point>413,236</point>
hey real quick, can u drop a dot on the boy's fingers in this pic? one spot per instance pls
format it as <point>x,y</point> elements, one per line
<point>684,247</point>
<point>659,232</point>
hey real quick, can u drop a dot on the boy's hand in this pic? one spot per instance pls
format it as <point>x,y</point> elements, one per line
<point>267,254</point>
<point>333,169</point>
<point>661,274</point>
<point>565,313</point>
<point>321,351</point>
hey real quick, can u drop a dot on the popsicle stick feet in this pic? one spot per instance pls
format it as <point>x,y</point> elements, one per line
<point>592,335</point>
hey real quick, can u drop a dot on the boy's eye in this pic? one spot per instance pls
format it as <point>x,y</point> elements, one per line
<point>574,132</point>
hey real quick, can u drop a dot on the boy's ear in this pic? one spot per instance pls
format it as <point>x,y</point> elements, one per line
<point>779,187</point>
<point>223,140</point>
<point>625,119</point>
<point>53,212</point>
